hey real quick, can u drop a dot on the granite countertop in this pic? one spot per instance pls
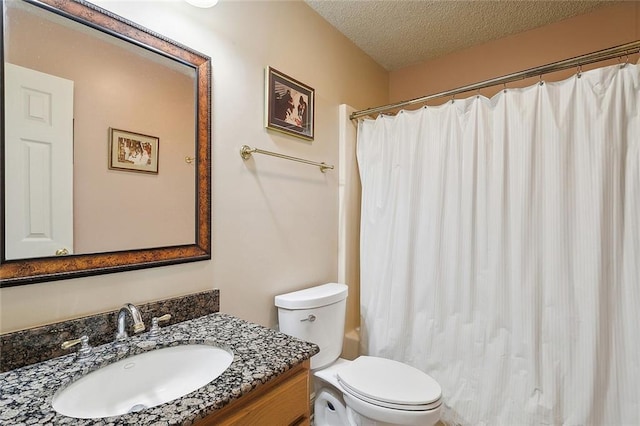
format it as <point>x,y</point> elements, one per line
<point>260,354</point>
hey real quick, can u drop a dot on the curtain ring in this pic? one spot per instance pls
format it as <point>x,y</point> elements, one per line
<point>626,54</point>
<point>540,81</point>
<point>453,98</point>
<point>579,73</point>
<point>504,86</point>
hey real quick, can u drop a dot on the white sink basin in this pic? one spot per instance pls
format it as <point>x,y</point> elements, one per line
<point>142,381</point>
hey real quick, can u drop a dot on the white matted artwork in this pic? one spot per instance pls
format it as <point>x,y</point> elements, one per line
<point>134,152</point>
<point>290,105</point>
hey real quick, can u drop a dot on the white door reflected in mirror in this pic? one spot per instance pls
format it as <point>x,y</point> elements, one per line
<point>38,163</point>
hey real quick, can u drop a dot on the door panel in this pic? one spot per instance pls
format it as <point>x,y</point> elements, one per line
<point>38,163</point>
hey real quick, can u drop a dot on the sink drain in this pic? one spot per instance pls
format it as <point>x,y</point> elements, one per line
<point>137,407</point>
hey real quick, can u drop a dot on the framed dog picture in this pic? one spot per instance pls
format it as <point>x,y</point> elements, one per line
<point>290,105</point>
<point>133,152</point>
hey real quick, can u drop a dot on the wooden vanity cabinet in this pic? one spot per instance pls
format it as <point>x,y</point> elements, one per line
<point>282,401</point>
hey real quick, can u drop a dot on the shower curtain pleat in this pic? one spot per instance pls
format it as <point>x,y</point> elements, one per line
<point>500,249</point>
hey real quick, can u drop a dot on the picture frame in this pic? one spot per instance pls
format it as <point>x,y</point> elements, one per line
<point>133,152</point>
<point>290,105</point>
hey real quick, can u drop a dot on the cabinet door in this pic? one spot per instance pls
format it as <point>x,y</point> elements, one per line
<point>281,403</point>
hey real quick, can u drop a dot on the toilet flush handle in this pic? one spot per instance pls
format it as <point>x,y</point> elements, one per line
<point>310,318</point>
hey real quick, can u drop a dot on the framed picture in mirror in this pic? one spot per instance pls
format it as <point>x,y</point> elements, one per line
<point>290,105</point>
<point>133,152</point>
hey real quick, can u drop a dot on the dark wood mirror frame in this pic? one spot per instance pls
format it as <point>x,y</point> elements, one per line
<point>28,271</point>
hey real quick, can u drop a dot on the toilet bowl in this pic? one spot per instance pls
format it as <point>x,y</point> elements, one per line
<point>368,391</point>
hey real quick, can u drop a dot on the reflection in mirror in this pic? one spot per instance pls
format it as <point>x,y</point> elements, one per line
<point>97,126</point>
<point>66,85</point>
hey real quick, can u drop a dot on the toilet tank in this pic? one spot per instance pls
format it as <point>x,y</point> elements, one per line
<point>316,315</point>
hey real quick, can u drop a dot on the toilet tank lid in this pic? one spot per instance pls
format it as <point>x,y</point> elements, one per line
<point>313,297</point>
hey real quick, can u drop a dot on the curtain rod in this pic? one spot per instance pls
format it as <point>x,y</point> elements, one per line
<point>578,61</point>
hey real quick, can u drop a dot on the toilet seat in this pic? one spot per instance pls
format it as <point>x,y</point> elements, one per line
<point>390,384</point>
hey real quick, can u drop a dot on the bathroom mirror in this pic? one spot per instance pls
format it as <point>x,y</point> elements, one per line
<point>105,145</point>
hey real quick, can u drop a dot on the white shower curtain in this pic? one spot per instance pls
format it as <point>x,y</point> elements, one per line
<point>500,250</point>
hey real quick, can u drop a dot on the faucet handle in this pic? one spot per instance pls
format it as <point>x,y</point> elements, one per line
<point>85,348</point>
<point>155,328</point>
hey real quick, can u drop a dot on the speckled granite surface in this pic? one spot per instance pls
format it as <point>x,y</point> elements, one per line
<point>260,354</point>
<point>37,344</point>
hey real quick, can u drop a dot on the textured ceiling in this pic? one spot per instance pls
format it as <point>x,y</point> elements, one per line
<point>399,33</point>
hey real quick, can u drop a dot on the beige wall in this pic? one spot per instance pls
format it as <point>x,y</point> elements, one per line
<point>274,222</point>
<point>606,27</point>
<point>115,210</point>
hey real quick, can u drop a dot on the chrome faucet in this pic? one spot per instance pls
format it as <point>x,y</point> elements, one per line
<point>138,324</point>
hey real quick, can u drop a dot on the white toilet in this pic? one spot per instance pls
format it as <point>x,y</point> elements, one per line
<point>367,391</point>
